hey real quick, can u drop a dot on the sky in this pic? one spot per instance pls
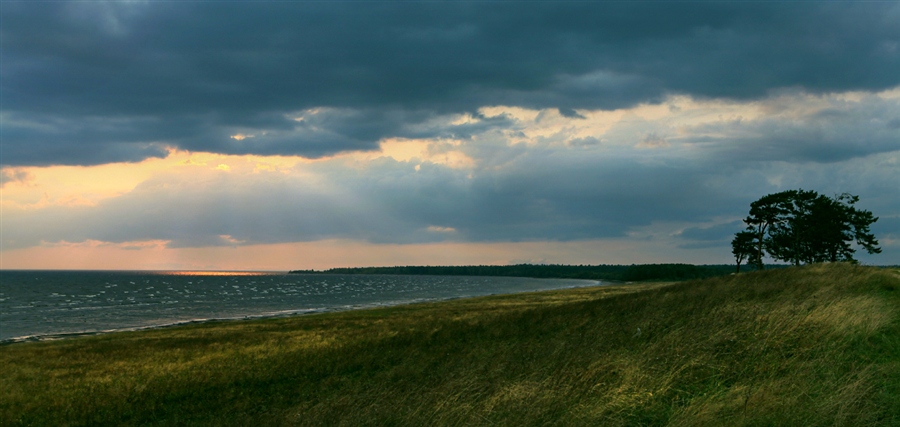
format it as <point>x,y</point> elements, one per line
<point>277,135</point>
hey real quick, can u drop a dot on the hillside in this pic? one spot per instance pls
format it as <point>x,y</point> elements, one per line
<point>815,345</point>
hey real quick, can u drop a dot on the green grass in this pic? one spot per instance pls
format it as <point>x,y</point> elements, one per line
<point>816,345</point>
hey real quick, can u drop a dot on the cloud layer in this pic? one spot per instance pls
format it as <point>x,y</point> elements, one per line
<point>680,174</point>
<point>248,124</point>
<point>97,82</point>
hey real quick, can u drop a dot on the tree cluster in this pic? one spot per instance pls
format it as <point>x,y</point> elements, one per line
<point>802,227</point>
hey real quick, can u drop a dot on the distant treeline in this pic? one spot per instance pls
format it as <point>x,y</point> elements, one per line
<point>624,273</point>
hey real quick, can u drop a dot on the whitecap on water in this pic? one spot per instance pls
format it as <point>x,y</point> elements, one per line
<point>136,300</point>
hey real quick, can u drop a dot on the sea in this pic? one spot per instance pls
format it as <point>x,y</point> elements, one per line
<point>40,305</point>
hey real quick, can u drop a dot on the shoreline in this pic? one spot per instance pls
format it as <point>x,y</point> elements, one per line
<point>282,314</point>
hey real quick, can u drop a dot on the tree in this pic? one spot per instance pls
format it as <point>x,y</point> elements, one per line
<point>802,227</point>
<point>769,211</point>
<point>743,247</point>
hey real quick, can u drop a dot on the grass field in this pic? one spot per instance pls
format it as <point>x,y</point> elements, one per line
<point>815,345</point>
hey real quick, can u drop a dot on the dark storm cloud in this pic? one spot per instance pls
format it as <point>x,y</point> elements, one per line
<point>570,113</point>
<point>711,236</point>
<point>323,132</point>
<point>94,82</point>
<point>827,136</point>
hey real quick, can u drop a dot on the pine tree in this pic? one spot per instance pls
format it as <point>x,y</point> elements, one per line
<point>802,227</point>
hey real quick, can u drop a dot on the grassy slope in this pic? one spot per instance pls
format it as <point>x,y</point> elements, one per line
<point>818,345</point>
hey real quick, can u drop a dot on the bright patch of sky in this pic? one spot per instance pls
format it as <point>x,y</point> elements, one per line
<point>656,176</point>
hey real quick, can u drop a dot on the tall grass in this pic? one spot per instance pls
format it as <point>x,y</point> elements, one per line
<point>818,345</point>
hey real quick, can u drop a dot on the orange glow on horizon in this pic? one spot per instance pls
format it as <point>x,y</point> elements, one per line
<point>325,254</point>
<point>215,273</point>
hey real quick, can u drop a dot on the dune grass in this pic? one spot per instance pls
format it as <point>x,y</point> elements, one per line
<point>816,345</point>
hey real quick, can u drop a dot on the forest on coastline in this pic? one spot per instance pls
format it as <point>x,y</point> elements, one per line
<point>620,273</point>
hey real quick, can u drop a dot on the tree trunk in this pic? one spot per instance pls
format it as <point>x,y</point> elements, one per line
<point>759,253</point>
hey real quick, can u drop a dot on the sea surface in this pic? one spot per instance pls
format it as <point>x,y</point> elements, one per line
<point>37,305</point>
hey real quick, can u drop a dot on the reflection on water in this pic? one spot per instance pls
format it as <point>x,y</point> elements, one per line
<point>213,273</point>
<point>52,303</point>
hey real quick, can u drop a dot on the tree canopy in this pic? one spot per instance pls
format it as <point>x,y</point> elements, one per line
<point>802,227</point>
